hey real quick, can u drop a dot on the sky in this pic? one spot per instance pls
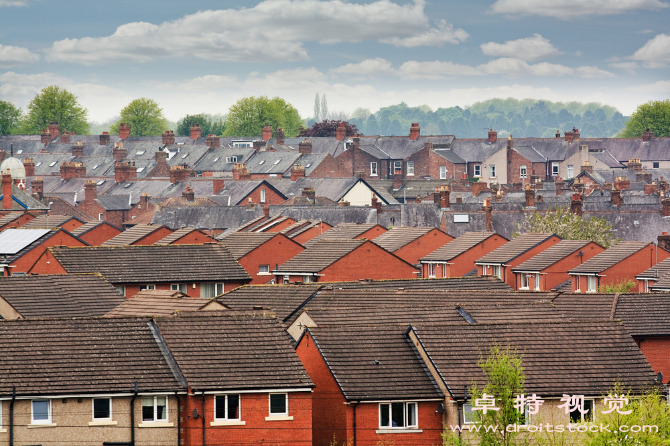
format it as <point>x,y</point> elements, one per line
<point>202,56</point>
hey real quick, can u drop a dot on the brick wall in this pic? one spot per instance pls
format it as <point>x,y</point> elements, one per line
<point>24,263</point>
<point>271,197</point>
<point>194,238</point>
<point>330,168</point>
<point>514,163</point>
<point>17,223</point>
<point>370,234</point>
<point>464,263</point>
<point>368,261</point>
<point>311,233</point>
<point>152,238</point>
<point>275,251</point>
<point>657,352</point>
<point>424,245</point>
<point>100,234</point>
<point>361,162</point>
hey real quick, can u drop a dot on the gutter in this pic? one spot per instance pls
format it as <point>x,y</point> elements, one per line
<point>132,425</point>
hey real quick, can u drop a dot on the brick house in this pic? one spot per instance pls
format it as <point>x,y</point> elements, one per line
<point>197,270</point>
<point>261,252</point>
<point>265,223</point>
<point>139,235</point>
<point>23,247</point>
<point>549,269</point>
<point>343,259</point>
<point>620,263</point>
<point>412,243</point>
<point>457,258</point>
<point>67,222</point>
<point>186,236</point>
<point>162,303</point>
<point>353,231</point>
<point>436,163</point>
<point>243,192</point>
<point>316,165</point>
<point>303,231</point>
<point>95,233</point>
<point>500,262</point>
<point>16,219</point>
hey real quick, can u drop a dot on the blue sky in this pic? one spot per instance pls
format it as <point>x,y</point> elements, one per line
<point>201,56</point>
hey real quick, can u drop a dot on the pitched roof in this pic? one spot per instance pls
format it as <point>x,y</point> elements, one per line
<point>161,303</point>
<point>395,238</point>
<point>242,243</point>
<point>176,235</point>
<point>283,300</point>
<point>10,217</point>
<point>551,255</point>
<point>114,202</point>
<point>48,221</point>
<point>80,295</point>
<point>153,263</point>
<point>515,248</point>
<point>452,283</point>
<point>458,246</point>
<point>132,235</point>
<point>658,271</point>
<point>319,255</point>
<point>609,257</point>
<point>89,226</point>
<point>345,231</point>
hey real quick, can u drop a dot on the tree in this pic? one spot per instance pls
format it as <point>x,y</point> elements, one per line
<point>184,124</point>
<point>560,221</point>
<point>9,117</point>
<point>324,107</point>
<point>371,126</point>
<point>145,118</point>
<point>317,109</point>
<point>55,104</point>
<point>654,115</point>
<point>248,116</point>
<point>328,128</point>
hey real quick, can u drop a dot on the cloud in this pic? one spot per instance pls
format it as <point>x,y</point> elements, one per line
<point>629,67</point>
<point>13,3</point>
<point>367,67</point>
<point>271,31</point>
<point>15,56</point>
<point>563,9</point>
<point>655,53</point>
<point>530,48</point>
<point>655,87</point>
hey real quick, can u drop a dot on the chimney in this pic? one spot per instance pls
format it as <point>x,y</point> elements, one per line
<point>572,136</point>
<point>161,157</point>
<point>298,171</point>
<point>558,134</point>
<point>251,204</point>
<point>343,204</point>
<point>305,147</point>
<point>104,138</point>
<point>616,197</point>
<point>124,130</point>
<point>280,136</point>
<point>78,150</point>
<point>621,183</point>
<point>441,196</point>
<point>478,187</point>
<point>124,171</point>
<point>168,138</point>
<point>493,136</point>
<point>397,179</point>
<point>510,141</point>
<point>640,177</point>
<point>340,131</point>
<point>576,204</point>
<point>266,211</point>
<point>196,132</point>
<point>587,167</point>
<point>240,172</point>
<point>37,188</point>
<point>665,206</point>
<point>309,193</point>
<point>217,184</point>
<point>90,191</point>
<point>459,199</point>
<point>188,194</point>
<point>647,135</point>
<point>664,241</point>
<point>651,189</point>
<point>414,131</point>
<point>376,203</point>
<point>45,137</point>
<point>258,146</point>
<point>54,129</point>
<point>488,211</point>
<point>267,133</point>
<point>179,173</point>
<point>72,170</point>
<point>29,166</point>
<point>560,186</point>
<point>65,137</point>
<point>634,164</point>
<point>530,197</point>
<point>213,141</point>
<point>498,196</point>
<point>7,190</point>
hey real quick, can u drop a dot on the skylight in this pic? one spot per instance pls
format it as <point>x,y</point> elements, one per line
<point>38,164</point>
<point>277,162</point>
<point>308,165</point>
<point>19,152</point>
<point>140,169</point>
<point>53,164</point>
<point>140,152</point>
<point>184,155</point>
<point>96,166</point>
<point>101,182</point>
<point>261,162</point>
<point>216,159</point>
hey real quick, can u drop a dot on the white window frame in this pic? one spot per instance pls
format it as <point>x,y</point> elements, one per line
<point>109,418</point>
<point>147,286</point>
<point>432,271</point>
<point>578,288</point>
<point>646,286</point>
<point>497,271</point>
<point>307,278</point>
<point>155,398</point>
<point>492,171</point>
<point>278,414</point>
<point>397,165</point>
<point>410,168</point>
<point>287,279</point>
<point>373,169</point>
<point>262,195</point>
<point>101,216</point>
<point>219,288</point>
<point>477,169</point>
<point>554,169</point>
<point>467,408</point>
<point>591,280</point>
<point>179,286</point>
<point>406,424</point>
<point>443,172</point>
<point>525,281</point>
<point>571,171</point>
<point>239,407</point>
<point>444,270</point>
<point>263,269</point>
<point>121,289</point>
<point>49,419</point>
<point>523,171</point>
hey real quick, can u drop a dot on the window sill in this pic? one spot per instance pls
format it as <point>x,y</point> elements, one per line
<point>155,424</point>
<point>399,431</point>
<point>35,426</point>
<point>2,431</point>
<point>279,418</point>
<point>265,274</point>
<point>102,423</point>
<point>228,423</point>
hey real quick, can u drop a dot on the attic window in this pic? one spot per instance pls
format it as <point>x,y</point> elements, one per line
<point>216,159</point>
<point>140,169</point>
<point>140,152</point>
<point>19,152</point>
<point>231,159</point>
<point>277,162</point>
<point>53,164</point>
<point>38,164</point>
<point>101,182</point>
<point>261,162</point>
<point>96,166</point>
<point>184,155</point>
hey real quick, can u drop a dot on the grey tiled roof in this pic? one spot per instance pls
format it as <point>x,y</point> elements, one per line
<point>514,248</point>
<point>399,236</point>
<point>609,257</point>
<point>132,235</point>
<point>242,243</point>
<point>272,162</point>
<point>319,255</point>
<point>551,255</point>
<point>458,246</point>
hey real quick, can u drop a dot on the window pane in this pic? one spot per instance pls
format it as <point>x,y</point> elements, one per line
<point>467,413</point>
<point>161,408</point>
<point>411,414</point>
<point>207,290</point>
<point>219,289</point>
<point>233,407</point>
<point>41,410</point>
<point>278,403</point>
<point>384,415</point>
<point>263,268</point>
<point>397,415</point>
<point>147,408</point>
<point>102,408</point>
<point>220,409</point>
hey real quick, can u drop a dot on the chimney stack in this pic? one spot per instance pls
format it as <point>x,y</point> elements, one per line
<point>124,171</point>
<point>558,134</point>
<point>161,157</point>
<point>530,196</point>
<point>217,184</point>
<point>240,172</point>
<point>7,190</point>
<point>664,241</point>
<point>305,147</point>
<point>634,164</point>
<point>119,153</point>
<point>45,137</point>
<point>441,196</point>
<point>213,141</point>
<point>488,214</point>
<point>72,170</point>
<point>298,171</point>
<point>267,133</point>
<point>340,131</point>
<point>78,149</point>
<point>587,167</point>
<point>280,136</point>
<point>510,141</point>
<point>179,173</point>
<point>258,145</point>
<point>104,138</point>
<point>37,188</point>
<point>665,206</point>
<point>616,197</point>
<point>65,137</point>
<point>651,189</point>
<point>124,130</point>
<point>640,177</point>
<point>647,135</point>
<point>266,211</point>
<point>309,193</point>
<point>376,203</point>
<point>621,183</point>
<point>90,191</point>
<point>54,129</point>
<point>29,166</point>
<point>168,138</point>
<point>196,132</point>
<point>576,204</point>
<point>343,203</point>
<point>188,194</point>
<point>493,136</point>
<point>414,131</point>
<point>479,187</point>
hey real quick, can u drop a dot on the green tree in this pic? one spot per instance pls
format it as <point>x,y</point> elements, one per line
<point>55,104</point>
<point>624,286</point>
<point>184,124</point>
<point>145,118</point>
<point>248,116</point>
<point>9,117</point>
<point>560,221</point>
<point>654,115</point>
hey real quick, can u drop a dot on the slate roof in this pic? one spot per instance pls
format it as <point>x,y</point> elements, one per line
<point>160,303</point>
<point>175,236</point>
<point>114,202</point>
<point>89,226</point>
<point>344,231</point>
<point>551,255</point>
<point>48,221</point>
<point>514,248</point>
<point>319,255</point>
<point>208,217</point>
<point>454,283</point>
<point>132,235</point>
<point>609,257</point>
<point>215,159</point>
<point>309,161</point>
<point>153,263</point>
<point>272,162</point>
<point>80,295</point>
<point>22,201</point>
<point>283,300</point>
<point>132,190</point>
<point>530,154</point>
<point>374,363</point>
<point>449,155</point>
<point>458,246</point>
<point>399,236</point>
<point>242,243</point>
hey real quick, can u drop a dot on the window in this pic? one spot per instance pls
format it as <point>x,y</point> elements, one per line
<point>410,167</point>
<point>286,279</point>
<point>523,172</point>
<point>147,287</point>
<point>121,289</point>
<point>154,408</point>
<point>227,407</point>
<point>102,409</point>
<point>497,271</point>
<point>478,170</point>
<point>261,162</point>
<point>397,167</point>
<point>468,414</point>
<point>53,164</point>
<point>591,284</point>
<point>96,166</point>
<point>140,169</point>
<point>262,195</point>
<point>398,415</point>
<point>38,164</point>
<point>578,282</point>
<point>444,270</point>
<point>41,412</point>
<point>554,169</point>
<point>530,281</point>
<point>101,217</point>
<point>230,159</point>
<point>307,279</point>
<point>243,143</point>
<point>277,162</point>
<point>492,171</point>
<point>373,170</point>
<point>278,404</point>
<point>209,290</point>
<point>571,171</point>
<point>443,172</point>
<point>140,152</point>
<point>655,164</point>
<point>646,286</point>
<point>263,269</point>
<point>579,417</point>
<point>431,270</point>
<point>178,287</point>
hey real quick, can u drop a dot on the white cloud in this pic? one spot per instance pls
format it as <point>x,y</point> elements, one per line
<point>13,3</point>
<point>529,48</point>
<point>367,67</point>
<point>271,31</point>
<point>569,9</point>
<point>16,56</point>
<point>655,53</point>
<point>655,87</point>
<point>628,67</point>
<point>592,71</point>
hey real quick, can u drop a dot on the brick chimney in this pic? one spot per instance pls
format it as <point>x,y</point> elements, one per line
<point>65,137</point>
<point>54,129</point>
<point>258,146</point>
<point>37,188</point>
<point>664,241</point>
<point>488,214</point>
<point>634,164</point>
<point>179,173</point>
<point>78,149</point>
<point>530,196</point>
<point>124,130</point>
<point>168,138</point>
<point>267,133</point>
<point>414,131</point>
<point>479,187</point>
<point>651,189</point>
<point>72,170</point>
<point>621,183</point>
<point>90,191</point>
<point>240,172</point>
<point>119,152</point>
<point>616,197</point>
<point>493,136</point>
<point>510,141</point>
<point>376,203</point>
<point>305,147</point>
<point>217,185</point>
<point>441,196</point>
<point>266,211</point>
<point>29,166</point>
<point>213,141</point>
<point>196,131</point>
<point>643,177</point>
<point>558,134</point>
<point>7,191</point>
<point>188,194</point>
<point>161,157</point>
<point>587,167</point>
<point>124,171</point>
<point>572,136</point>
<point>459,199</point>
<point>397,179</point>
<point>343,203</point>
<point>280,136</point>
<point>576,204</point>
<point>298,171</point>
<point>309,193</point>
<point>665,206</point>
<point>45,137</point>
<point>340,131</point>
<point>560,186</point>
<point>104,138</point>
<point>647,135</point>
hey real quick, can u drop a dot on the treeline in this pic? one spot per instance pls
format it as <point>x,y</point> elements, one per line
<point>521,118</point>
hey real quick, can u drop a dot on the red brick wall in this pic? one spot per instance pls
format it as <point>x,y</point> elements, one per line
<point>24,263</point>
<point>330,168</point>
<point>427,163</point>
<point>368,261</point>
<point>540,169</point>
<point>100,234</point>
<point>311,233</point>
<point>657,352</point>
<point>275,251</point>
<point>424,245</point>
<point>133,288</point>
<point>152,238</point>
<point>514,163</point>
<point>465,263</point>
<point>372,233</point>
<point>71,225</point>
<point>194,238</point>
<point>362,163</point>
<point>47,264</point>
<point>22,220</point>
<point>280,226</point>
<point>271,197</point>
